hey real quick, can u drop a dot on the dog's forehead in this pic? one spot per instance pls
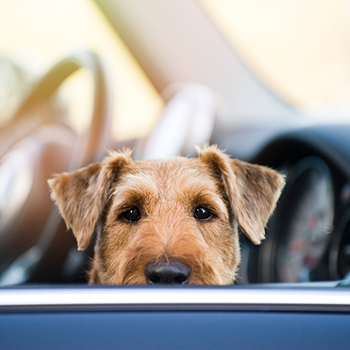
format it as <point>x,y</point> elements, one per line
<point>168,175</point>
<point>170,171</point>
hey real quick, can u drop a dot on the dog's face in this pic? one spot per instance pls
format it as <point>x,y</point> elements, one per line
<point>170,221</point>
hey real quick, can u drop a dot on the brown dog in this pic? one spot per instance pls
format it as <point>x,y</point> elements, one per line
<point>171,221</point>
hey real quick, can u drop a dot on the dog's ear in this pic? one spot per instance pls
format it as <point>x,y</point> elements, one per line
<point>252,190</point>
<point>82,195</point>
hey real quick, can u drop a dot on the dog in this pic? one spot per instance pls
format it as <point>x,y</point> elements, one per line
<point>167,221</point>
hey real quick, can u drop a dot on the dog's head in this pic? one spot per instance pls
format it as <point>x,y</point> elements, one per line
<point>171,221</point>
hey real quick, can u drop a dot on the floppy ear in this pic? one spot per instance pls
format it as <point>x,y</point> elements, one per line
<point>252,190</point>
<point>82,195</point>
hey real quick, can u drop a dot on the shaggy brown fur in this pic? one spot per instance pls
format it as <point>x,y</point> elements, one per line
<point>147,212</point>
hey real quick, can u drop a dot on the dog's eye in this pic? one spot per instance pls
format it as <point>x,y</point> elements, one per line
<point>201,213</point>
<point>132,215</point>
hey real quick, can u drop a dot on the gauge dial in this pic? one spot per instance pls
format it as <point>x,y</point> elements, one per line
<point>339,256</point>
<point>307,222</point>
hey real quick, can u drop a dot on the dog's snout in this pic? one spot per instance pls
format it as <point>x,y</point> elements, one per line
<point>172,272</point>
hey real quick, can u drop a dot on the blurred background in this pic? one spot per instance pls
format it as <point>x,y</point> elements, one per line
<point>78,77</point>
<point>37,34</point>
<point>299,49</point>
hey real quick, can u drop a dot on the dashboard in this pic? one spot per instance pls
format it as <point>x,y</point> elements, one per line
<point>308,237</point>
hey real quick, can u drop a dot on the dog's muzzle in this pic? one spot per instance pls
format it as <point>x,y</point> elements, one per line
<point>167,272</point>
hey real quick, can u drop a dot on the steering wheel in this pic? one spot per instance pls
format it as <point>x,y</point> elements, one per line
<point>188,120</point>
<point>36,143</point>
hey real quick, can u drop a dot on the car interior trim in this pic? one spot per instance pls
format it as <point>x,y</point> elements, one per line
<point>101,296</point>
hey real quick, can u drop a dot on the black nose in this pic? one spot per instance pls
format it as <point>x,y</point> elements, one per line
<point>163,272</point>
